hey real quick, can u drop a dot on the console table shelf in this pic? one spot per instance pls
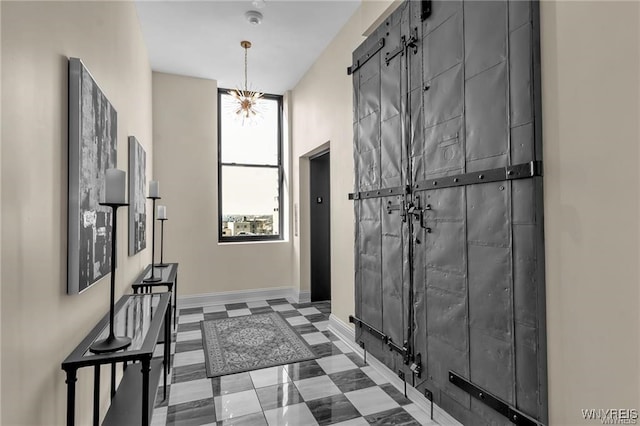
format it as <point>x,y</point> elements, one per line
<point>140,317</point>
<point>168,278</point>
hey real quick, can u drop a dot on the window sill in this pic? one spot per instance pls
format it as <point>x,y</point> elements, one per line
<point>233,243</point>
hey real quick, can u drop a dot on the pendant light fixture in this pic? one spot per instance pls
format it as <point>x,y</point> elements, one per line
<point>246,101</point>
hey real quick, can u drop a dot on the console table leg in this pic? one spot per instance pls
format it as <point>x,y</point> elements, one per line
<point>113,380</point>
<point>146,368</point>
<point>71,396</point>
<point>167,348</point>
<point>175,302</point>
<point>96,395</point>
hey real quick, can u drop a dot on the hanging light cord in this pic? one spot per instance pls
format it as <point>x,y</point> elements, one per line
<point>245,70</point>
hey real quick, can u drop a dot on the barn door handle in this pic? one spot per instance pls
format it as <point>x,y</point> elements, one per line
<point>418,215</point>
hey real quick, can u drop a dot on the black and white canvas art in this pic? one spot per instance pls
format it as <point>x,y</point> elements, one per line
<point>137,199</point>
<point>92,150</point>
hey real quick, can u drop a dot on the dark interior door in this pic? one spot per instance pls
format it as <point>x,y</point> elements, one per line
<point>320,228</point>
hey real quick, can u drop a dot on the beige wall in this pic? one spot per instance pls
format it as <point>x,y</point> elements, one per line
<point>590,60</point>
<point>0,215</point>
<point>590,114</point>
<point>322,116</point>
<point>40,323</point>
<point>185,147</point>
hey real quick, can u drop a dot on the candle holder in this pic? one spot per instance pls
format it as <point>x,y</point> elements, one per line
<point>153,278</point>
<point>112,343</point>
<point>162,264</point>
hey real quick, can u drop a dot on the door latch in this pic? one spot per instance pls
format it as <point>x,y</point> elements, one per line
<point>397,207</point>
<point>418,214</point>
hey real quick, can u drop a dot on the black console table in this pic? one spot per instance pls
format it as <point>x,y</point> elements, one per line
<point>168,278</point>
<point>139,317</point>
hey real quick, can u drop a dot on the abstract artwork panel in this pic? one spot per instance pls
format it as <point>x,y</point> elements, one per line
<point>93,132</point>
<point>137,199</point>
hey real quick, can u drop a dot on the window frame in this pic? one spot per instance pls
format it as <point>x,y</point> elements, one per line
<point>279,166</point>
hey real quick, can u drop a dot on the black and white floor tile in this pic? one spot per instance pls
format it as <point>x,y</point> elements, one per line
<point>337,388</point>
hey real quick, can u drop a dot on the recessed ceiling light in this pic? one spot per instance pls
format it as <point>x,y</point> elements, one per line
<point>254,17</point>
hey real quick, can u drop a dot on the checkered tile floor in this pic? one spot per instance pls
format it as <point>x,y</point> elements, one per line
<point>335,389</point>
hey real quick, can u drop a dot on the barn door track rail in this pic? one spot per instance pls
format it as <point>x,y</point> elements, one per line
<point>513,414</point>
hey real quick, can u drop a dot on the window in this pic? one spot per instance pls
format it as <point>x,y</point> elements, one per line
<point>249,172</point>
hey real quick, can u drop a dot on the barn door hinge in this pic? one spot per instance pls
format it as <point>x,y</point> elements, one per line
<point>364,58</point>
<point>382,192</point>
<point>410,42</point>
<point>513,414</point>
<point>380,335</point>
<point>519,171</point>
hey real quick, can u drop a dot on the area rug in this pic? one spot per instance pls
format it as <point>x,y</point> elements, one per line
<point>234,345</point>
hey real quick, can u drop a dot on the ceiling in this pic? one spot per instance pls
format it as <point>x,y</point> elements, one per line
<point>202,38</point>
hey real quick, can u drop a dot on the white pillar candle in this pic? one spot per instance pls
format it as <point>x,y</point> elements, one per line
<point>154,188</point>
<point>115,186</point>
<point>162,212</point>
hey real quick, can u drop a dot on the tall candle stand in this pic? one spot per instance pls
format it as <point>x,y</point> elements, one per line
<point>153,278</point>
<point>112,343</point>
<point>162,264</point>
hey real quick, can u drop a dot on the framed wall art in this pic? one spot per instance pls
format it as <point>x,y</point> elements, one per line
<point>137,197</point>
<point>93,132</point>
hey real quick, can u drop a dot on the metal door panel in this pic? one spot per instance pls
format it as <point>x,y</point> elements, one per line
<point>524,271</point>
<point>447,317</point>
<point>445,247</point>
<point>527,380</point>
<point>390,87</point>
<point>457,93</point>
<point>446,204</point>
<point>492,365</point>
<point>463,413</point>
<point>443,46</point>
<point>369,169</point>
<point>368,71</point>
<point>369,132</point>
<point>519,14</point>
<point>523,201</point>
<point>490,293</point>
<point>485,27</point>
<point>484,413</point>
<point>370,95</point>
<point>446,280</point>
<point>520,76</point>
<point>442,359</point>
<point>370,260</point>
<point>486,115</point>
<point>488,214</point>
<point>391,153</point>
<point>522,144</point>
<point>444,149</point>
<point>443,100</point>
<point>392,255</point>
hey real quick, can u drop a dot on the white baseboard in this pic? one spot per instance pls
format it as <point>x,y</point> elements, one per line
<point>302,296</point>
<point>347,334</point>
<point>196,300</point>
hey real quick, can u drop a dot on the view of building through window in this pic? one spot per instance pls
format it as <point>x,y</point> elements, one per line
<point>250,172</point>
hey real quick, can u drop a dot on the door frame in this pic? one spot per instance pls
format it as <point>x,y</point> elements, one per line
<point>304,217</point>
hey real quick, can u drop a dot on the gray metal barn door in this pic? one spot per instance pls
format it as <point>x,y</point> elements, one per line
<point>448,206</point>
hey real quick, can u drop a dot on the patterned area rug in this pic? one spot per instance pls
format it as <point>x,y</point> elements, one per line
<point>234,345</point>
